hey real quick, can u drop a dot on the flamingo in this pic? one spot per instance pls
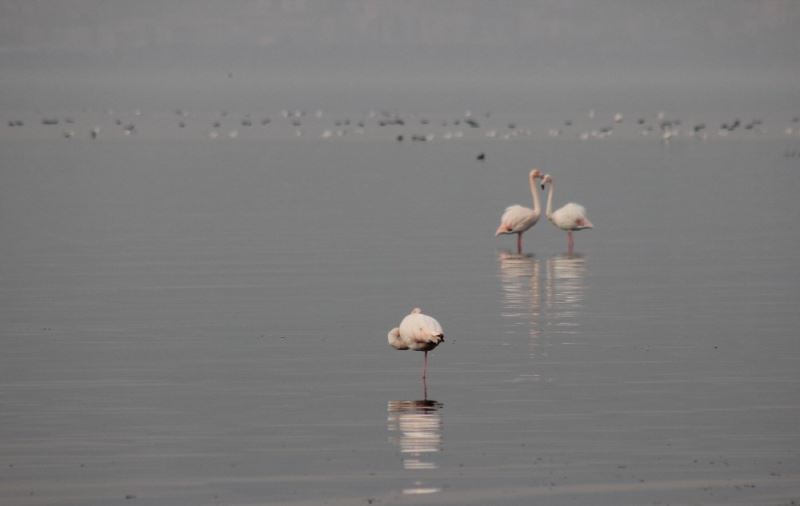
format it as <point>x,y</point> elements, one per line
<point>517,219</point>
<point>418,332</point>
<point>571,217</point>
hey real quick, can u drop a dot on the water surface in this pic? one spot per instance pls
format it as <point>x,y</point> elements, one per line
<point>193,322</point>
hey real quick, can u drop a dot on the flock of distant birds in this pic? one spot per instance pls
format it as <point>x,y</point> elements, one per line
<point>421,128</point>
<point>421,332</point>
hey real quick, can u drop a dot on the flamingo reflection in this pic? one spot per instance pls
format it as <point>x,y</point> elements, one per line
<point>565,291</point>
<point>520,281</point>
<point>543,304</point>
<point>416,428</point>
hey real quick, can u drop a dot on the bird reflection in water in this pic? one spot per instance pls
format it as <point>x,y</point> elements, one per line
<point>520,281</point>
<point>544,304</point>
<point>564,291</point>
<point>416,428</point>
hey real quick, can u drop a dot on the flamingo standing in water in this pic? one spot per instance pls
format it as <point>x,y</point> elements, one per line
<point>517,219</point>
<point>418,332</point>
<point>571,217</point>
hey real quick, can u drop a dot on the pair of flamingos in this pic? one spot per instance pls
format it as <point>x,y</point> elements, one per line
<point>421,332</point>
<point>518,219</point>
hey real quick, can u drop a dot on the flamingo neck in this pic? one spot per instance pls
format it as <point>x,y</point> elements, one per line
<point>537,206</point>
<point>549,211</point>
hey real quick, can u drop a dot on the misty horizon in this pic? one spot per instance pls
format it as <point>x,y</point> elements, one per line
<point>376,53</point>
<point>618,38</point>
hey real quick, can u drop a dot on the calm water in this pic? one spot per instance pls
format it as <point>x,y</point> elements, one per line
<point>193,322</point>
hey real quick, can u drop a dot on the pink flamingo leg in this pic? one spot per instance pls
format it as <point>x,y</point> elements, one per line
<point>570,242</point>
<point>519,243</point>
<point>425,367</point>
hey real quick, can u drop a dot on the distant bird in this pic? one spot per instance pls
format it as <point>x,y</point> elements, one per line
<point>571,217</point>
<point>418,332</point>
<point>517,219</point>
<point>481,156</point>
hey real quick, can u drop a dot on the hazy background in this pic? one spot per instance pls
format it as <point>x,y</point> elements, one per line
<point>60,53</point>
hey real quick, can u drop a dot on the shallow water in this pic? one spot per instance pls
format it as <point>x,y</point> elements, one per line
<point>191,322</point>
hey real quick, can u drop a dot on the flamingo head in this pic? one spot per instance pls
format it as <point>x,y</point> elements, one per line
<point>416,310</point>
<point>535,174</point>
<point>546,179</point>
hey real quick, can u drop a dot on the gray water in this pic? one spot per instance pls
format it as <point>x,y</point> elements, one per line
<point>188,322</point>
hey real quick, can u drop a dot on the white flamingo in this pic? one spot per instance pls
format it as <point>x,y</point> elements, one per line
<point>418,332</point>
<point>571,217</point>
<point>517,219</point>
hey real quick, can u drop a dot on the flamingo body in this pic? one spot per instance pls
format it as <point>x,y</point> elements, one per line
<point>571,216</point>
<point>418,332</point>
<point>516,220</point>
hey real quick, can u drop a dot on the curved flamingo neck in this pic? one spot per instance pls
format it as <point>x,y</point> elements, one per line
<point>549,211</point>
<point>537,206</point>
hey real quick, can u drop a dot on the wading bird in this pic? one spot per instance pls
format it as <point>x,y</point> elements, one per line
<point>571,217</point>
<point>517,219</point>
<point>418,332</point>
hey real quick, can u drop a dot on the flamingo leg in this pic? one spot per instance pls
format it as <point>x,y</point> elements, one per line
<point>570,242</point>
<point>519,243</point>
<point>424,389</point>
<point>425,368</point>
